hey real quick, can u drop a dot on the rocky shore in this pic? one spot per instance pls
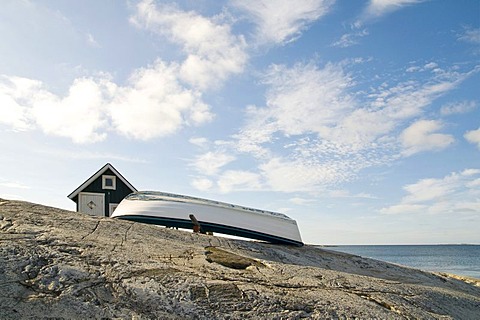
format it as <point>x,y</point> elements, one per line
<point>61,264</point>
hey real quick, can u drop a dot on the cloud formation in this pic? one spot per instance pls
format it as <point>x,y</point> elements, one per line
<point>315,128</point>
<point>239,180</point>
<point>160,99</point>
<point>280,22</point>
<point>455,193</point>
<point>212,51</point>
<point>352,38</point>
<point>422,136</point>
<point>210,163</point>
<point>313,132</point>
<point>470,35</point>
<point>155,104</point>
<point>157,101</point>
<point>305,98</point>
<point>458,108</point>
<point>79,115</point>
<point>374,10</point>
<point>473,136</point>
<point>13,113</point>
<point>378,8</point>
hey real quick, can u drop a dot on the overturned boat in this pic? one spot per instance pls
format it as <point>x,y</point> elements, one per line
<point>173,210</point>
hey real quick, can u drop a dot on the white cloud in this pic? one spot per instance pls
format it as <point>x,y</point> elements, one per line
<point>293,176</point>
<point>421,136</point>
<point>347,194</point>
<point>12,197</point>
<point>283,21</point>
<point>199,141</point>
<point>431,65</point>
<point>91,41</point>
<point>79,115</point>
<point>350,39</point>
<point>413,69</point>
<point>474,184</point>
<point>212,51</point>
<point>155,104</point>
<point>374,9</point>
<point>469,207</point>
<point>301,201</point>
<point>315,133</point>
<point>408,99</point>
<point>378,8</point>
<point>238,179</point>
<point>12,112</point>
<point>306,99</point>
<point>471,36</point>
<point>13,185</point>
<point>210,163</point>
<point>300,100</point>
<point>458,108</point>
<point>404,209</point>
<point>202,184</point>
<point>254,134</point>
<point>454,193</point>
<point>80,153</point>
<point>470,172</point>
<point>429,189</point>
<point>390,106</point>
<point>359,129</point>
<point>473,136</point>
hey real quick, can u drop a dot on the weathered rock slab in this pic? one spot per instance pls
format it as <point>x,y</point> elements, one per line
<point>60,264</point>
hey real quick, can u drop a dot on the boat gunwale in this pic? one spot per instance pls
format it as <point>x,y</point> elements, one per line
<point>164,196</point>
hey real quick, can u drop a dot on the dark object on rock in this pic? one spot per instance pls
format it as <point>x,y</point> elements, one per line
<point>196,225</point>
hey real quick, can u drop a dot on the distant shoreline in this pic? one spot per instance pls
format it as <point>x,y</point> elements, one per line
<point>462,260</point>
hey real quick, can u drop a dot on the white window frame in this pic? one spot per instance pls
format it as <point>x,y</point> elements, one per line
<point>111,208</point>
<point>114,182</point>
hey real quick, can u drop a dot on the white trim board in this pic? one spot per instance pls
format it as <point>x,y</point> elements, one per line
<point>104,182</point>
<point>96,176</point>
<point>111,208</point>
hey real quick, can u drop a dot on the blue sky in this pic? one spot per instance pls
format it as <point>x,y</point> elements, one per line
<point>359,119</point>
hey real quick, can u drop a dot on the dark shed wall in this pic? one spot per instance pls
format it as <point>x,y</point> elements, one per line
<point>111,196</point>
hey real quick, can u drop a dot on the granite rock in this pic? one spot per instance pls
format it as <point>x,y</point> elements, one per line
<point>61,264</point>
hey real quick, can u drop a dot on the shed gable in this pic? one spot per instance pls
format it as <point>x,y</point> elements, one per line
<point>107,182</point>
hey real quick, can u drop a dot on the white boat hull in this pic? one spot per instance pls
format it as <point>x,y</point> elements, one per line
<point>174,211</point>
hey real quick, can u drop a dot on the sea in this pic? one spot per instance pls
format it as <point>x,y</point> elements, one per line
<point>463,260</point>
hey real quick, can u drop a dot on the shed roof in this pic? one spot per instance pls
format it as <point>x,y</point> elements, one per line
<point>98,174</point>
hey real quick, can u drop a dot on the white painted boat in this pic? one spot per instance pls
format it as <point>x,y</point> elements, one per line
<point>173,210</point>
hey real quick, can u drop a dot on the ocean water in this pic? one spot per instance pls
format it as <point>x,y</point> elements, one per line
<point>462,260</point>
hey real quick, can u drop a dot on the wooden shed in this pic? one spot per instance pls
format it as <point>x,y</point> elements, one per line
<point>101,193</point>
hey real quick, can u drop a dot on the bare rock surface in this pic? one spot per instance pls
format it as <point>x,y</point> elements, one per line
<point>61,264</point>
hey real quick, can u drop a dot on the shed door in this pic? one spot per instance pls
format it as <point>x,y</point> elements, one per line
<point>92,203</point>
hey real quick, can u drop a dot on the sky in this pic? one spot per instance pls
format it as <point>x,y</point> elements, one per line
<point>358,119</point>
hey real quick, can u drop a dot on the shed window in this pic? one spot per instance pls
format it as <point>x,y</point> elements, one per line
<point>109,182</point>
